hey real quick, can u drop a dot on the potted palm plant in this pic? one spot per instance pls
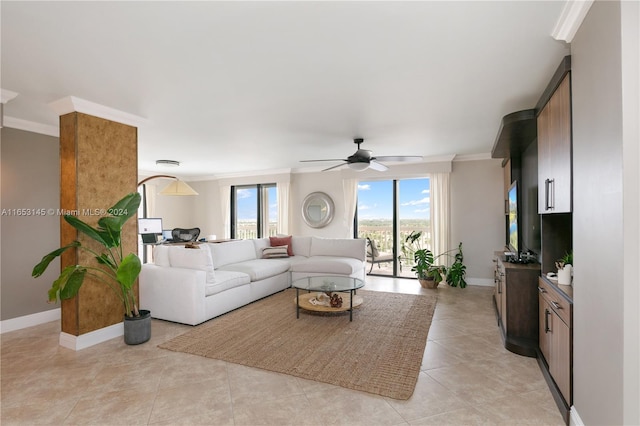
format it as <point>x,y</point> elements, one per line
<point>114,269</point>
<point>429,273</point>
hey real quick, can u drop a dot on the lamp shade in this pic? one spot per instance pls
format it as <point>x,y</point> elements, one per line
<point>178,187</point>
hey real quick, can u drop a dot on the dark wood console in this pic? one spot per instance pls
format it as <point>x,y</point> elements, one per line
<point>516,302</point>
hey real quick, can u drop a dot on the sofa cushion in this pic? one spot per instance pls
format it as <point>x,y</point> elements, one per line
<point>161,255</point>
<point>226,280</point>
<point>301,246</point>
<point>329,265</point>
<point>260,244</point>
<point>259,269</point>
<point>188,258</point>
<point>232,252</point>
<point>282,241</point>
<point>339,247</point>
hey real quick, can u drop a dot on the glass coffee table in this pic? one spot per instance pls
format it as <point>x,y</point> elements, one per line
<point>320,289</point>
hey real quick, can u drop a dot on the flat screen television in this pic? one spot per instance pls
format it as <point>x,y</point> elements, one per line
<point>512,221</point>
<point>150,228</point>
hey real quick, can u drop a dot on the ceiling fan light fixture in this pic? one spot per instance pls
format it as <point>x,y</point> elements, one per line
<point>167,163</point>
<point>363,159</point>
<point>358,166</point>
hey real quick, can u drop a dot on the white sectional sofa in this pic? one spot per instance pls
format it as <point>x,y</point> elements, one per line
<point>191,286</point>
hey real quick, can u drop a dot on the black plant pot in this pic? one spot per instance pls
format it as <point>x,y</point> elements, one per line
<point>137,329</point>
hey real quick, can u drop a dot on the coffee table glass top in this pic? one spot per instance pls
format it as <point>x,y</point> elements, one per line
<point>328,283</point>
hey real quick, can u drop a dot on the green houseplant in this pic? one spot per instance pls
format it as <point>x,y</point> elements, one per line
<point>116,270</point>
<point>428,272</point>
<point>565,268</point>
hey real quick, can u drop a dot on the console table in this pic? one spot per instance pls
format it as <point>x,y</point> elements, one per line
<point>516,302</point>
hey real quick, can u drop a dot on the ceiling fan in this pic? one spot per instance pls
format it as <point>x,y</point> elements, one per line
<point>363,159</point>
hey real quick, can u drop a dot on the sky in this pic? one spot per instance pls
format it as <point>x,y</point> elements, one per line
<point>375,199</point>
<point>247,204</point>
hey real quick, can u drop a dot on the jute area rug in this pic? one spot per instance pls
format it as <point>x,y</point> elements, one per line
<point>380,352</point>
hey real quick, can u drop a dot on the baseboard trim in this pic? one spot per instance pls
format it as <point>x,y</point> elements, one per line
<point>92,338</point>
<point>27,321</point>
<point>574,417</point>
<point>485,282</point>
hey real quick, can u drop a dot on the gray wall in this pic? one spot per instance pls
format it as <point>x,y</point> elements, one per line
<point>477,215</point>
<point>30,180</point>
<point>599,321</point>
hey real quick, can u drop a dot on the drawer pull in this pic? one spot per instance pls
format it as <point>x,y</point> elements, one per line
<point>546,320</point>
<point>541,290</point>
<point>556,305</point>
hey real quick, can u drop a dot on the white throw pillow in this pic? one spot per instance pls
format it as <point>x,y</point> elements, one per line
<point>189,258</point>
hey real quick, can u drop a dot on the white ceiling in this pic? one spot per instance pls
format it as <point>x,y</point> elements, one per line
<point>239,87</point>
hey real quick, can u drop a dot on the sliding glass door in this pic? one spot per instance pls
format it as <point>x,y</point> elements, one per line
<point>387,212</point>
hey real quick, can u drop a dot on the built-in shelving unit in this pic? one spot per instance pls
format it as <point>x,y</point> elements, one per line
<point>536,147</point>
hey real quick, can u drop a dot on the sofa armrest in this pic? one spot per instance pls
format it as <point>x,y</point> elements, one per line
<point>173,294</point>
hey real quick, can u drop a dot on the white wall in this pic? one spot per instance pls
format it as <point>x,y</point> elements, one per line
<point>207,210</point>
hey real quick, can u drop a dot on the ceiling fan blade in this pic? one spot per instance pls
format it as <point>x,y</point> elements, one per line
<point>398,158</point>
<point>312,161</point>
<point>335,167</point>
<point>377,166</point>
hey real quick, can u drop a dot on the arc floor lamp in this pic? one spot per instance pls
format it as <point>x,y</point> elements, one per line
<point>177,187</point>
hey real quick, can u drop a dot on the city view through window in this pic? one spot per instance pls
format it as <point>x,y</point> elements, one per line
<point>376,207</point>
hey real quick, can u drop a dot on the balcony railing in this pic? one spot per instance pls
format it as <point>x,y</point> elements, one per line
<point>383,237</point>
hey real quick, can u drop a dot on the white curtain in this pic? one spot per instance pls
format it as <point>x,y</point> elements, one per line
<point>350,188</point>
<point>282,189</point>
<point>440,212</point>
<point>151,195</point>
<point>225,208</point>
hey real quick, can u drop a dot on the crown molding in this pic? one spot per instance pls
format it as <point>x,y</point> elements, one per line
<point>474,157</point>
<point>31,126</point>
<point>7,95</point>
<point>570,19</point>
<point>72,104</point>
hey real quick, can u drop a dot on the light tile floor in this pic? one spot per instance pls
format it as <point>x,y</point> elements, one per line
<point>467,378</point>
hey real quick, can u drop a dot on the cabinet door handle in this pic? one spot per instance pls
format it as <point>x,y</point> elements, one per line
<point>546,194</point>
<point>546,320</point>
<point>556,305</point>
<point>549,194</point>
<point>541,290</point>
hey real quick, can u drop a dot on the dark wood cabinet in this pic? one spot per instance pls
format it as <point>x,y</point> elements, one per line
<point>516,301</point>
<point>555,338</point>
<point>554,151</point>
